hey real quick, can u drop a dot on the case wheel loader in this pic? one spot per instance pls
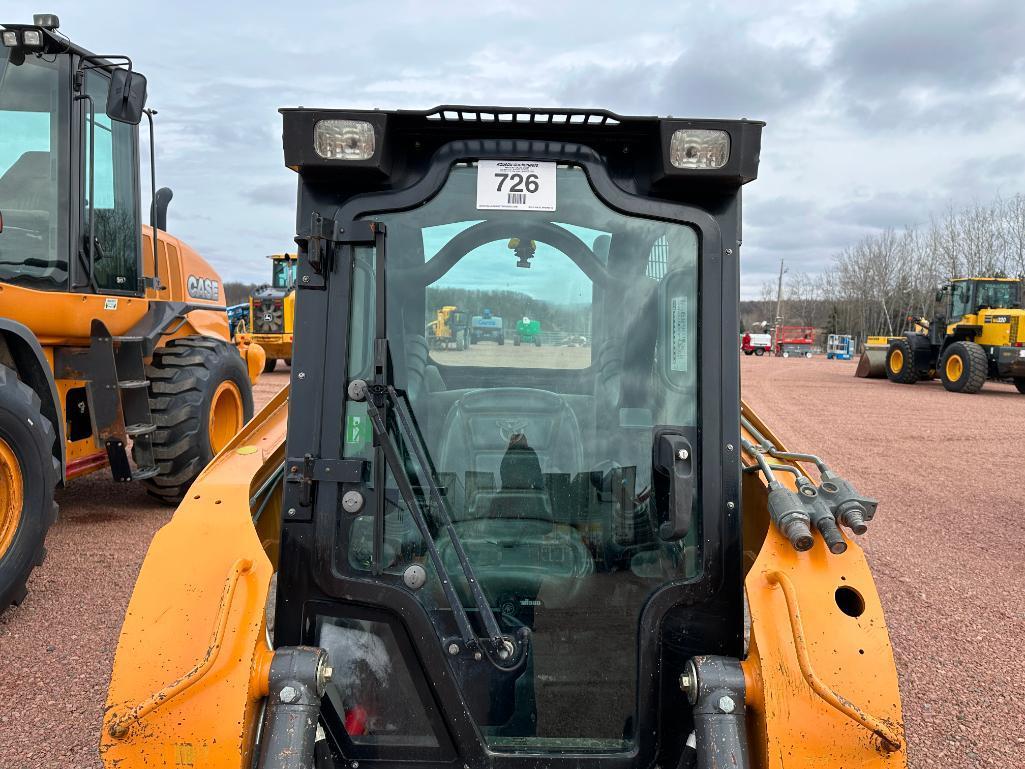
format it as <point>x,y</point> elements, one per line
<point>114,345</point>
<point>979,335</point>
<point>272,312</point>
<point>601,558</point>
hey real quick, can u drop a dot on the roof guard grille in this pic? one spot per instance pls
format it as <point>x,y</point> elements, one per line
<point>455,114</point>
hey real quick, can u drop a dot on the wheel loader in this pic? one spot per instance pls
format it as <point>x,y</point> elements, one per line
<point>977,333</point>
<point>597,559</point>
<point>272,312</point>
<point>114,345</point>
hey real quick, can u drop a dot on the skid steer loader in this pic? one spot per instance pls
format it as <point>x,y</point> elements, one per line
<point>595,558</point>
<point>113,343</point>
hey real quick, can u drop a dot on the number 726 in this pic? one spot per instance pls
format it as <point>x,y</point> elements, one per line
<point>518,182</point>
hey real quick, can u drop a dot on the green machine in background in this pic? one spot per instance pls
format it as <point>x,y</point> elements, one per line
<point>528,332</point>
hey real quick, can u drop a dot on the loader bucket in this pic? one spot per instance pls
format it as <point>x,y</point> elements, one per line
<point>872,364</point>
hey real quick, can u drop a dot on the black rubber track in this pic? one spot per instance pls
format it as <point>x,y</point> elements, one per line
<point>976,367</point>
<point>907,373</point>
<point>31,437</point>
<point>183,377</point>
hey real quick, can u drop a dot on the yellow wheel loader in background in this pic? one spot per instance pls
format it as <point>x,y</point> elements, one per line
<point>111,345</point>
<point>979,335</point>
<point>272,312</point>
<point>511,558</point>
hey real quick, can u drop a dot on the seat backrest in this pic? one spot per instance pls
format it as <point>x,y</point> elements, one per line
<point>482,425</point>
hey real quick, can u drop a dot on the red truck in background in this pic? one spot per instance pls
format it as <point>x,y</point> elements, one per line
<point>794,341</point>
<point>756,344</point>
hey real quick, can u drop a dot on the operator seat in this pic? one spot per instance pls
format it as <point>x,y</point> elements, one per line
<point>486,428</point>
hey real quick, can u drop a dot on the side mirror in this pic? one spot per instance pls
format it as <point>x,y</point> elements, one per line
<point>127,96</point>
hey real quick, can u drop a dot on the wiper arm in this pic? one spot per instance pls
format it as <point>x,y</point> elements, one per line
<point>376,395</point>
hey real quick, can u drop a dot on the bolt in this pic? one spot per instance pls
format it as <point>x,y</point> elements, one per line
<point>686,682</point>
<point>682,454</point>
<point>352,501</point>
<point>729,252</point>
<point>726,704</point>
<point>301,375</point>
<point>730,505</point>
<point>729,447</point>
<point>288,694</point>
<point>354,765</point>
<point>291,512</point>
<point>453,649</point>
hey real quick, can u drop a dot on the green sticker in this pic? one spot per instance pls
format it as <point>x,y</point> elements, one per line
<point>357,430</point>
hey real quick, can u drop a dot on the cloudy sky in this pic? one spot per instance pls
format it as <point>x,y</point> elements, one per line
<point>879,113</point>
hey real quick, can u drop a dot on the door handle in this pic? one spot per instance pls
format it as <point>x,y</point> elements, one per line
<point>674,483</point>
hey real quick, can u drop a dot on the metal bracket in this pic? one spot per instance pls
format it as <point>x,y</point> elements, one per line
<point>309,470</point>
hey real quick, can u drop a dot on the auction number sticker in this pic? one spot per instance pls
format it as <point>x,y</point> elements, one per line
<point>515,185</point>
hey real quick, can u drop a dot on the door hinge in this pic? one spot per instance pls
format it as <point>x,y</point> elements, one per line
<point>308,470</point>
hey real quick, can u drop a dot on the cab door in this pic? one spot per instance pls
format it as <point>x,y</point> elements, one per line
<point>109,195</point>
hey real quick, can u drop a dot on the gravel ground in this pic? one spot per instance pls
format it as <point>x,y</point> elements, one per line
<point>944,546</point>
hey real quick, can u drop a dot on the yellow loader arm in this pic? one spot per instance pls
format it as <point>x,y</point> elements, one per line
<point>193,661</point>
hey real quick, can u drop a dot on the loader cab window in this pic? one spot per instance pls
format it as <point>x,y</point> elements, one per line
<point>116,205</point>
<point>32,163</point>
<point>960,300</point>
<point>283,275</point>
<point>540,432</point>
<point>996,294</point>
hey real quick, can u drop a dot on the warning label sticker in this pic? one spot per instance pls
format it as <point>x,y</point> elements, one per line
<point>679,334</point>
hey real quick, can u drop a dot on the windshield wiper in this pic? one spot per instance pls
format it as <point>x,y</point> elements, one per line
<point>377,398</point>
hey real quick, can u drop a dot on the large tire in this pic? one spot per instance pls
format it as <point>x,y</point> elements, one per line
<point>759,352</point>
<point>189,378</point>
<point>288,362</point>
<point>269,364</point>
<point>900,362</point>
<point>1019,382</point>
<point>29,472</point>
<point>963,367</point>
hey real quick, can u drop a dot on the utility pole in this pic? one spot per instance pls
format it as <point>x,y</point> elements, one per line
<point>779,308</point>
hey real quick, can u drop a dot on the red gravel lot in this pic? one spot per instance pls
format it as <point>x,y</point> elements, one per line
<point>945,549</point>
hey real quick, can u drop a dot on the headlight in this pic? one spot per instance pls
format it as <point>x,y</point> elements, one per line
<point>32,38</point>
<point>10,38</point>
<point>344,139</point>
<point>699,148</point>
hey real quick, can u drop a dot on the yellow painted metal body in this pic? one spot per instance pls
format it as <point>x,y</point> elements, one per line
<point>192,660</point>
<point>821,691</point>
<point>998,327</point>
<point>65,320</point>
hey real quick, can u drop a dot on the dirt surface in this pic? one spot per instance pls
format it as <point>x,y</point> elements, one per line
<point>946,549</point>
<point>56,649</point>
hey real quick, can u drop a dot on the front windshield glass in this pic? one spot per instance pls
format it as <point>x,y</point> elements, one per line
<point>996,294</point>
<point>539,351</point>
<point>283,273</point>
<point>30,107</point>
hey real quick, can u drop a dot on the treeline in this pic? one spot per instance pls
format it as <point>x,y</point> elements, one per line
<point>512,306</point>
<point>237,293</point>
<point>872,286</point>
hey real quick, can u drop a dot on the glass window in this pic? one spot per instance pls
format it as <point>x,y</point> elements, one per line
<point>283,275</point>
<point>30,127</point>
<point>539,430</point>
<point>116,205</point>
<point>996,294</point>
<point>371,690</point>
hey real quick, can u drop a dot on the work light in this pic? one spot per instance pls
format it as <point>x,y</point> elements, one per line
<point>699,148</point>
<point>32,38</point>
<point>10,37</point>
<point>344,139</point>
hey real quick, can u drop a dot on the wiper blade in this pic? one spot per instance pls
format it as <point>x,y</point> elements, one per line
<point>495,640</point>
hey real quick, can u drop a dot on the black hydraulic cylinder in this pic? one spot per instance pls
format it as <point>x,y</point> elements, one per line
<point>715,688</point>
<point>298,676</point>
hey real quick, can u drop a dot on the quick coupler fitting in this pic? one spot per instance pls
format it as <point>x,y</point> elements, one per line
<point>822,517</point>
<point>791,517</point>
<point>848,506</point>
